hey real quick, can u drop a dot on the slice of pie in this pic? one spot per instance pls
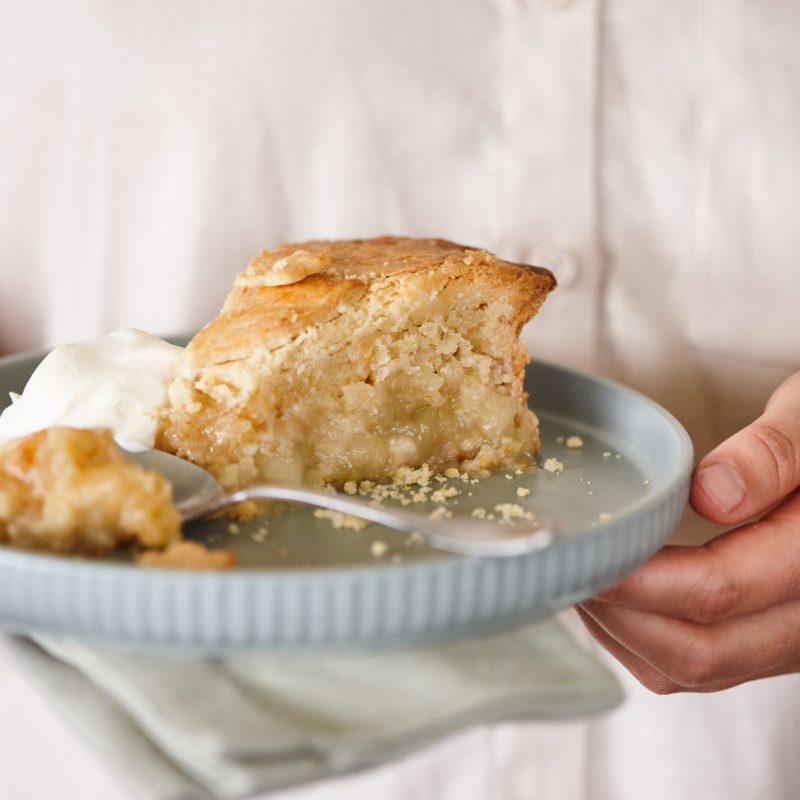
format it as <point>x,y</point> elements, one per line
<point>335,361</point>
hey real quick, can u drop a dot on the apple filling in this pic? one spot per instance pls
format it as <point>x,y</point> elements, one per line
<point>71,491</point>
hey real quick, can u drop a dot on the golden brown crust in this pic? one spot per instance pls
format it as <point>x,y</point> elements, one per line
<point>299,286</point>
<point>384,255</point>
<point>267,317</point>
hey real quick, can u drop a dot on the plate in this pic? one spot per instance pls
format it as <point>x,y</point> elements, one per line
<point>304,585</point>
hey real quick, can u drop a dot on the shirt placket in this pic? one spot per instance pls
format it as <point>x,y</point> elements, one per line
<point>546,214</point>
<point>547,209</point>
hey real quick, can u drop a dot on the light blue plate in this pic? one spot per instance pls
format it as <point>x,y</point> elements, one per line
<point>304,585</point>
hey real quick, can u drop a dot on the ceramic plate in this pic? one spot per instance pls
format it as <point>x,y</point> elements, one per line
<point>302,584</point>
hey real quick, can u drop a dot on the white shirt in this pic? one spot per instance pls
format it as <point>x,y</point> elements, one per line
<point>646,151</point>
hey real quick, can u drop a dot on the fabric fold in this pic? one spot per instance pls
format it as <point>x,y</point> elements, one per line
<point>178,728</point>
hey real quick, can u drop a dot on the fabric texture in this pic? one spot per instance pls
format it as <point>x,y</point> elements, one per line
<point>191,728</point>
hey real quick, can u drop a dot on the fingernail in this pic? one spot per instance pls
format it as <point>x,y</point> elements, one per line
<point>723,484</point>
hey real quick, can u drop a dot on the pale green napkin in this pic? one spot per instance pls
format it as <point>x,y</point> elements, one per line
<point>180,728</point>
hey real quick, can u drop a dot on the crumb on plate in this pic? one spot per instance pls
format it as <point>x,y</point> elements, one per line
<point>378,548</point>
<point>508,512</point>
<point>186,554</point>
<point>340,520</point>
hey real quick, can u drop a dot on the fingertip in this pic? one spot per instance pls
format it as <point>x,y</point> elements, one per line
<point>719,491</point>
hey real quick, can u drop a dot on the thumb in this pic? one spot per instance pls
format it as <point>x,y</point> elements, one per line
<point>755,467</point>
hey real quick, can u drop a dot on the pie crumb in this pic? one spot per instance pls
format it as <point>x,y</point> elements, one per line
<point>340,520</point>
<point>186,554</point>
<point>406,476</point>
<point>511,511</point>
<point>443,494</point>
<point>378,548</point>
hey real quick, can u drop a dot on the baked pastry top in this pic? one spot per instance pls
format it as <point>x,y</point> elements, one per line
<point>334,361</point>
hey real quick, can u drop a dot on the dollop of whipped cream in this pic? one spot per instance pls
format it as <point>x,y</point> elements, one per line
<point>117,382</point>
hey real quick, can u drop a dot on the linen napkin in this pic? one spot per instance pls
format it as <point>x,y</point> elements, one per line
<point>179,728</point>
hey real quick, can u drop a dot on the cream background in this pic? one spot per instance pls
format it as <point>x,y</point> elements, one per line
<point>647,151</point>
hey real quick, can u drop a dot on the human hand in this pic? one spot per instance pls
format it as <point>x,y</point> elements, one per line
<point>707,618</point>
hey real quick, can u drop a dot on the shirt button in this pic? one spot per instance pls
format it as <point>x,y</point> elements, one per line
<point>560,261</point>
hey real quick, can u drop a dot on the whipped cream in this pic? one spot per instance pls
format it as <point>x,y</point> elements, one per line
<point>118,382</point>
